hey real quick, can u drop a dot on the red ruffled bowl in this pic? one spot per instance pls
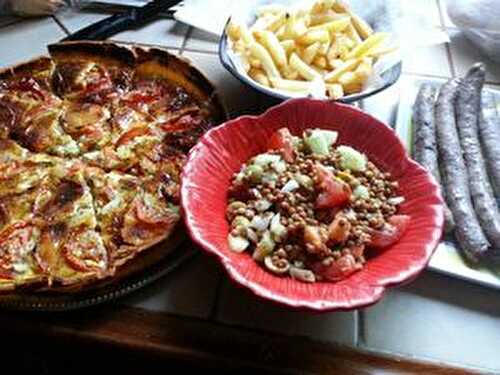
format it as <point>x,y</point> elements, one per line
<point>223,150</point>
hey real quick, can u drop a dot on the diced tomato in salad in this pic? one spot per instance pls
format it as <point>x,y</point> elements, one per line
<point>337,270</point>
<point>390,233</point>
<point>333,192</point>
<point>283,140</point>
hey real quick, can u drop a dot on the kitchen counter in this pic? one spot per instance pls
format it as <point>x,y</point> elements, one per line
<point>435,319</point>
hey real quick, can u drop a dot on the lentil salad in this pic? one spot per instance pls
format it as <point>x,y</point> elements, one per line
<point>311,210</point>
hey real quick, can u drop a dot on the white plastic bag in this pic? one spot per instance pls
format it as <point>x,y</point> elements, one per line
<point>479,20</point>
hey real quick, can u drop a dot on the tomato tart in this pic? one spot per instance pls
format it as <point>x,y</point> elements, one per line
<point>92,142</point>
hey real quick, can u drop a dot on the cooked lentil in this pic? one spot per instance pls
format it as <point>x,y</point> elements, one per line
<point>297,222</point>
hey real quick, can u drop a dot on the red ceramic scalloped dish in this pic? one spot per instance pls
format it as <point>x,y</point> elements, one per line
<point>223,150</point>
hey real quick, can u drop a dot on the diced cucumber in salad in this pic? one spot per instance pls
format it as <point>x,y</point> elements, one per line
<point>320,141</point>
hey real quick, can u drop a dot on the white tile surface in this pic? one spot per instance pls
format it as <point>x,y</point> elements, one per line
<point>162,32</point>
<point>27,39</point>
<point>493,86</point>
<point>431,60</point>
<point>384,105</point>
<point>202,41</point>
<point>446,19</point>
<point>439,318</point>
<point>74,20</point>
<point>238,97</point>
<point>239,307</point>
<point>464,54</point>
<point>430,8</point>
<point>189,290</point>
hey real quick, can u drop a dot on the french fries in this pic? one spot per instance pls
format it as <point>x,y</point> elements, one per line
<point>270,9</point>
<point>333,26</point>
<point>312,36</point>
<point>310,52</point>
<point>371,42</point>
<point>320,62</point>
<point>345,67</point>
<point>290,84</point>
<point>304,70</point>
<point>364,69</point>
<point>288,45</point>
<point>259,76</point>
<point>351,32</point>
<point>258,51</point>
<point>362,27</point>
<point>272,44</point>
<point>322,47</point>
<point>335,91</point>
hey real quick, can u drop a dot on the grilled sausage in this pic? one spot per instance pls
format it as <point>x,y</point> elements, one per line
<point>424,134</point>
<point>489,132</point>
<point>468,232</point>
<point>467,109</point>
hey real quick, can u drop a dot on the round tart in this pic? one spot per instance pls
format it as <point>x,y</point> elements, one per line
<point>92,142</point>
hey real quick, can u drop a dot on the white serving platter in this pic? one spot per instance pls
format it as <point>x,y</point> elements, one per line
<point>447,258</point>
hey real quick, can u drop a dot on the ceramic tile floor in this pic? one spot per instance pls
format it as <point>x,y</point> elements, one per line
<point>436,317</point>
<point>240,307</point>
<point>191,290</point>
<point>426,319</point>
<point>238,98</point>
<point>199,40</point>
<point>74,20</point>
<point>24,40</point>
<point>162,32</point>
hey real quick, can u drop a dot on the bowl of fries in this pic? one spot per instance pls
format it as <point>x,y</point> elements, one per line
<point>319,49</point>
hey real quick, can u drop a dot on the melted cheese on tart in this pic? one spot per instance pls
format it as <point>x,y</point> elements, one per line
<point>44,133</point>
<point>88,124</point>
<point>84,72</point>
<point>124,119</point>
<point>71,200</point>
<point>88,249</point>
<point>71,255</point>
<point>105,158</point>
<point>148,218</point>
<point>113,192</point>
<point>18,177</point>
<point>17,244</point>
<point>128,151</point>
<point>10,152</point>
<point>73,76</point>
<point>80,115</point>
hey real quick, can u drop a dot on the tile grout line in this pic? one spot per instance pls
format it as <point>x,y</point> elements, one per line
<point>187,49</point>
<point>356,328</point>
<point>186,37</point>
<point>450,60</point>
<point>441,17</point>
<point>360,339</point>
<point>177,48</point>
<point>61,25</point>
<point>447,46</point>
